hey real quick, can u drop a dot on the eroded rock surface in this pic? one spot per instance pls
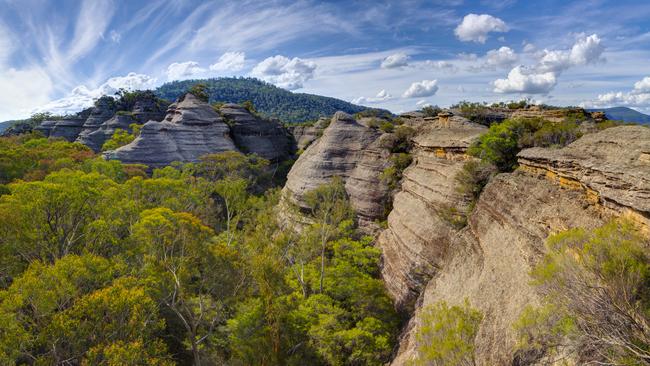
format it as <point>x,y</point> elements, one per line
<point>304,135</point>
<point>419,226</point>
<point>352,151</point>
<point>585,184</point>
<point>252,134</point>
<point>192,128</point>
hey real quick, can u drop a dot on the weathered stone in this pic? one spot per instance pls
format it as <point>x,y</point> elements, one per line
<point>419,226</point>
<point>252,134</point>
<point>191,129</point>
<point>305,135</point>
<point>352,151</point>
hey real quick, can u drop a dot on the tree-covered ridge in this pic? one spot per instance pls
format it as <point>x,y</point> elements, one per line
<point>101,263</point>
<point>269,100</point>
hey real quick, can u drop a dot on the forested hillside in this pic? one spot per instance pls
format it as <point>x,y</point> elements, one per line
<point>102,264</point>
<point>268,99</point>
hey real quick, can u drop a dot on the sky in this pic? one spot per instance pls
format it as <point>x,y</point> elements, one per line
<point>60,55</point>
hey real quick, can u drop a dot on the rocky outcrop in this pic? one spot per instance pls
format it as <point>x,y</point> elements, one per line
<point>304,135</point>
<point>352,151</point>
<point>192,128</point>
<point>420,226</point>
<point>598,177</point>
<point>108,115</point>
<point>252,134</point>
<point>68,128</point>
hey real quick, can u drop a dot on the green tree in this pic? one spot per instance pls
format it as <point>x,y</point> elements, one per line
<point>446,334</point>
<point>120,138</point>
<point>596,284</point>
<point>200,91</point>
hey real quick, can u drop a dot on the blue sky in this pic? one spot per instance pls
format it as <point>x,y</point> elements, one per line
<point>59,55</point>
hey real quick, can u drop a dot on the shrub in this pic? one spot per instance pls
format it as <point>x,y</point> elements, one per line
<point>386,127</point>
<point>403,136</point>
<point>393,174</point>
<point>596,287</point>
<point>200,91</point>
<point>446,335</point>
<point>431,111</point>
<point>249,106</point>
<point>120,138</point>
<point>502,142</point>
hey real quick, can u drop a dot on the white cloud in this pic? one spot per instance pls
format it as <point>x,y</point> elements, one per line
<point>476,27</point>
<point>529,48</point>
<point>541,78</point>
<point>502,58</point>
<point>184,70</point>
<point>22,90</point>
<point>81,97</point>
<point>229,61</point>
<point>643,85</point>
<point>422,103</point>
<point>286,73</point>
<point>395,61</point>
<point>115,36</point>
<point>586,50</point>
<point>94,18</point>
<point>441,65</point>
<point>421,89</point>
<point>639,96</point>
<point>382,96</point>
<point>525,81</point>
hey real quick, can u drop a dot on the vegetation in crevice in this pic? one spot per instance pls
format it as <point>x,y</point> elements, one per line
<point>596,304</point>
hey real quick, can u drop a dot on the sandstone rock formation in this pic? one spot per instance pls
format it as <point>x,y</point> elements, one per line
<point>419,226</point>
<point>304,135</point>
<point>252,134</point>
<point>352,151</point>
<point>192,128</point>
<point>68,128</point>
<point>600,176</point>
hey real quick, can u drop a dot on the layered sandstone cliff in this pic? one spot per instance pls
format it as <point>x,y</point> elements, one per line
<point>488,263</point>
<point>353,151</point>
<point>413,249</point>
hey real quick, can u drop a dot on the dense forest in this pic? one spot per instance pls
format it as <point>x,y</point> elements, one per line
<point>269,100</point>
<point>102,263</point>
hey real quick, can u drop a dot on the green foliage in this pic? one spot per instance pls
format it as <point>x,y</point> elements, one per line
<point>500,145</point>
<point>200,90</point>
<point>472,178</point>
<point>446,334</point>
<point>597,297</point>
<point>249,106</point>
<point>101,263</point>
<point>393,174</point>
<point>386,127</point>
<point>32,157</point>
<point>431,111</point>
<point>120,138</point>
<point>269,101</point>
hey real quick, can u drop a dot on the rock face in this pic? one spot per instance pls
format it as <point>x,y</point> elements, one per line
<point>68,129</point>
<point>598,177</point>
<point>105,118</point>
<point>304,135</point>
<point>420,226</point>
<point>192,128</point>
<point>352,151</point>
<point>253,134</point>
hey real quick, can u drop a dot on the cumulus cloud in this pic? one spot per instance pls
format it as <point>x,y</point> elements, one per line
<point>586,50</point>
<point>82,97</point>
<point>525,81</point>
<point>286,73</point>
<point>502,58</point>
<point>476,27</point>
<point>382,96</point>
<point>395,61</point>
<point>229,61</point>
<point>638,97</point>
<point>541,78</point>
<point>184,70</point>
<point>421,89</point>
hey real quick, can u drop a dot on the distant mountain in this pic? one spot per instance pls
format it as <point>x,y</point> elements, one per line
<point>268,99</point>
<point>624,114</point>
<point>5,125</point>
